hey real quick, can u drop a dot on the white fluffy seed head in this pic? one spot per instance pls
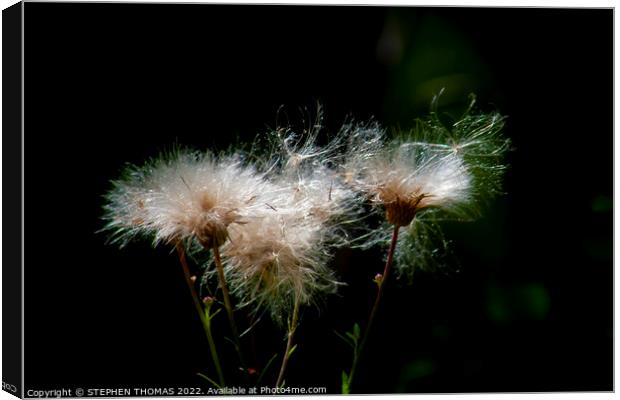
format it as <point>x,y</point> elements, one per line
<point>183,196</point>
<point>434,172</point>
<point>406,179</point>
<point>282,255</point>
<point>278,259</point>
<point>404,176</point>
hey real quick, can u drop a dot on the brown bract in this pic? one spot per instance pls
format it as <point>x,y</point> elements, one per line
<point>211,222</point>
<point>401,210</point>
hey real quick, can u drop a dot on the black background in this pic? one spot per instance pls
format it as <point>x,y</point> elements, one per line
<point>11,182</point>
<point>531,306</point>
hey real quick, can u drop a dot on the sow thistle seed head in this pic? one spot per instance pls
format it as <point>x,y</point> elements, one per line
<point>278,259</point>
<point>404,176</point>
<point>281,257</point>
<point>430,174</point>
<point>407,179</point>
<point>184,196</point>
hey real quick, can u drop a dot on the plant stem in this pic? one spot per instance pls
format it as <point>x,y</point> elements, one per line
<point>228,306</point>
<point>212,347</point>
<point>373,313</point>
<point>206,321</point>
<point>291,331</point>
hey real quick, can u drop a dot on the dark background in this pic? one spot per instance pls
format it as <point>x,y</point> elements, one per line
<point>531,306</point>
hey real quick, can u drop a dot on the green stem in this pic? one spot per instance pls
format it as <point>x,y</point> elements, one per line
<point>375,308</point>
<point>291,332</point>
<point>204,317</point>
<point>229,308</point>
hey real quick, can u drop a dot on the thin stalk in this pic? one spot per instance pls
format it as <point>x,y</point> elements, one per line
<point>206,321</point>
<point>375,308</point>
<point>291,332</point>
<point>212,345</point>
<point>228,306</point>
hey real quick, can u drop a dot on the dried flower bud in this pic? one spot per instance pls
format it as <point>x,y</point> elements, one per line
<point>208,300</point>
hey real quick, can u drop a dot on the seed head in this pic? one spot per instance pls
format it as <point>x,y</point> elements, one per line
<point>281,256</point>
<point>276,260</point>
<point>432,173</point>
<point>183,196</point>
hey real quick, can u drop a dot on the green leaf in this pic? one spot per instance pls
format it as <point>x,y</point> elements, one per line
<point>353,337</point>
<point>232,342</point>
<point>210,317</point>
<point>345,383</point>
<point>291,351</point>
<point>210,380</point>
<point>347,341</point>
<point>262,374</point>
<point>356,330</point>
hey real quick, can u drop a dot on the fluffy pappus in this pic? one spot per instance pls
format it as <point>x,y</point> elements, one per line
<point>404,176</point>
<point>183,196</point>
<point>309,174</point>
<point>476,137</point>
<point>408,178</point>
<point>282,255</point>
<point>432,173</point>
<point>278,259</point>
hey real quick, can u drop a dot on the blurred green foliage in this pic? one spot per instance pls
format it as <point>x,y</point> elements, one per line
<point>424,53</point>
<point>517,302</point>
<point>415,370</point>
<point>602,204</point>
